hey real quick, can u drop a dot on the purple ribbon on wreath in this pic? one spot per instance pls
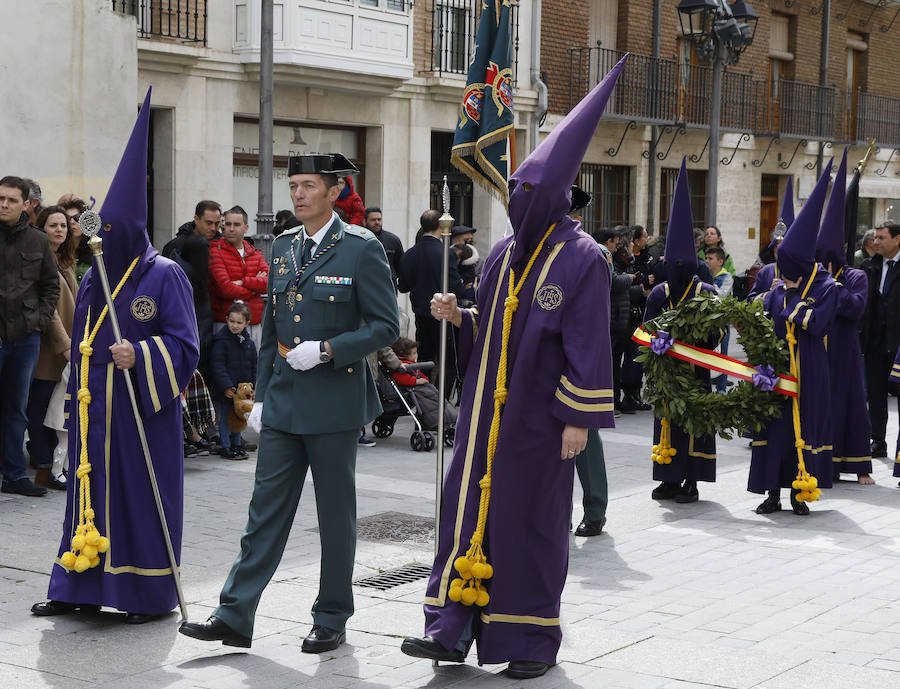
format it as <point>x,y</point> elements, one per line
<point>765,378</point>
<point>661,343</point>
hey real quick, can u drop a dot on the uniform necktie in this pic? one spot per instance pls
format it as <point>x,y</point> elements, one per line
<point>887,276</point>
<point>308,247</point>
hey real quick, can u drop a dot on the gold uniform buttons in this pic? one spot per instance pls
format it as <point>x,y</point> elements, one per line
<point>350,370</point>
<point>296,340</point>
<point>299,297</point>
<point>296,319</point>
<point>331,298</point>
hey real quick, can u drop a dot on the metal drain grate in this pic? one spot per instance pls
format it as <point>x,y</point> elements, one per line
<point>394,527</point>
<point>395,577</point>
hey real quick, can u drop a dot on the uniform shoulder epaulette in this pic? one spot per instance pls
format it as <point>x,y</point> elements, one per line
<point>293,230</point>
<point>358,231</point>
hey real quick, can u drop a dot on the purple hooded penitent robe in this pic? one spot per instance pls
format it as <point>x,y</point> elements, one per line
<point>560,372</point>
<point>135,574</point>
<point>695,455</point>
<point>773,464</point>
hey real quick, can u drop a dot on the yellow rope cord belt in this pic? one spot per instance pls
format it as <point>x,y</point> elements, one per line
<point>473,566</point>
<point>806,484</point>
<point>87,543</point>
<point>663,452</point>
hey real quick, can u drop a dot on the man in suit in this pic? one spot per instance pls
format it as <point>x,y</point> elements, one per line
<point>880,327</point>
<point>331,303</point>
<point>420,275</point>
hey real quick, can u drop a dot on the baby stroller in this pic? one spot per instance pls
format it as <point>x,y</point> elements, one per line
<point>397,402</point>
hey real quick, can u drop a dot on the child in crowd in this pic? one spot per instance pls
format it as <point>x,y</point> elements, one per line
<point>233,362</point>
<point>425,394</point>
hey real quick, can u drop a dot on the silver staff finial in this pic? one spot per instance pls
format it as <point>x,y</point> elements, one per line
<point>445,196</point>
<point>90,222</point>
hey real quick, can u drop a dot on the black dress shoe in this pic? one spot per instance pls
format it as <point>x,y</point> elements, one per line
<point>879,449</point>
<point>627,406</point>
<point>57,607</point>
<point>139,618</point>
<point>688,493</point>
<point>214,630</point>
<point>665,491</point>
<point>769,505</point>
<point>429,648</point>
<point>321,639</point>
<point>798,507</point>
<point>526,669</point>
<point>587,528</point>
<point>23,486</point>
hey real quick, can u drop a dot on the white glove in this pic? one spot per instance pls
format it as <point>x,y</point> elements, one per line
<point>304,356</point>
<point>255,418</point>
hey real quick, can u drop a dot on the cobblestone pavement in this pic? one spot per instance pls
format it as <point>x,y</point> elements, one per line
<point>702,595</point>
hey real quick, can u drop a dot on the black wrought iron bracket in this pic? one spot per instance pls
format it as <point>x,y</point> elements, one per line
<point>815,10</point>
<point>613,152</point>
<point>789,3</point>
<point>662,132</point>
<point>843,15</point>
<point>696,158</point>
<point>812,165</point>
<point>678,132</point>
<point>881,172</point>
<point>759,162</point>
<point>785,165</point>
<point>878,6</point>
<point>728,161</point>
<point>885,29</point>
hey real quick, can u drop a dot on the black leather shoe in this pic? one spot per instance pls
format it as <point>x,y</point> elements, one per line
<point>23,486</point>
<point>321,639</point>
<point>139,618</point>
<point>637,403</point>
<point>879,449</point>
<point>665,491</point>
<point>526,669</point>
<point>57,607</point>
<point>587,528</point>
<point>798,507</point>
<point>688,493</point>
<point>214,630</point>
<point>429,648</point>
<point>627,406</point>
<point>769,505</point>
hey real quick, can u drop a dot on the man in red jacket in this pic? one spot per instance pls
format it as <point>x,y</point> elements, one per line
<point>237,271</point>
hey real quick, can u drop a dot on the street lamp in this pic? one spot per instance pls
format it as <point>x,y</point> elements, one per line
<point>720,33</point>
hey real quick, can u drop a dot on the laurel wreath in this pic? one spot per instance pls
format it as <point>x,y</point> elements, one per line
<point>677,394</point>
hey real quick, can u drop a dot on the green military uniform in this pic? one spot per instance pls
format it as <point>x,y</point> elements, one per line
<point>311,419</point>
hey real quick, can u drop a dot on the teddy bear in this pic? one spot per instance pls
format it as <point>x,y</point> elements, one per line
<point>240,409</point>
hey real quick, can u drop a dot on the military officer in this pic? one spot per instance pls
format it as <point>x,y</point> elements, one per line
<point>331,303</point>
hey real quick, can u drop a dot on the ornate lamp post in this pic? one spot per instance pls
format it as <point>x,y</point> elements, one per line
<point>720,33</point>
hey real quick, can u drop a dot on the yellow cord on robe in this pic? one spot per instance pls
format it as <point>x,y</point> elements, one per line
<point>473,567</point>
<point>806,484</point>
<point>87,543</point>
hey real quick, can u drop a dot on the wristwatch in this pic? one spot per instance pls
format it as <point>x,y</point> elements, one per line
<point>324,357</point>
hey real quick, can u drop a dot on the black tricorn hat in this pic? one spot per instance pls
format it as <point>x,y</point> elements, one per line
<point>321,164</point>
<point>580,199</point>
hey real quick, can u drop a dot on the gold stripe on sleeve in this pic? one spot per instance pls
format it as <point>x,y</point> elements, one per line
<point>148,370</point>
<point>170,369</point>
<point>581,392</point>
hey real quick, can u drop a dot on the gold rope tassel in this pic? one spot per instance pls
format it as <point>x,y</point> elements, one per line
<point>87,543</point>
<point>663,452</point>
<point>473,567</point>
<point>806,484</point>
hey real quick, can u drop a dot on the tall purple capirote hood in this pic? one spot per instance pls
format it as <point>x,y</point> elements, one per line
<point>681,253</point>
<point>787,205</point>
<point>124,209</point>
<point>830,242</point>
<point>797,252</point>
<point>552,167</point>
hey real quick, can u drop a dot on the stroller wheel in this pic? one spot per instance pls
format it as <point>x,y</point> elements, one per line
<point>449,436</point>
<point>429,441</point>
<point>381,429</point>
<point>417,441</point>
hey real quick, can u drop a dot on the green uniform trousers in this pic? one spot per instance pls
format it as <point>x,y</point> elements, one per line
<point>591,467</point>
<point>281,466</point>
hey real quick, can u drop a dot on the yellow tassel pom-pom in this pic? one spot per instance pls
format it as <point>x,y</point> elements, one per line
<point>488,571</point>
<point>95,561</point>
<point>802,485</point>
<point>89,551</point>
<point>81,563</point>
<point>68,560</point>
<point>669,460</point>
<point>103,545</point>
<point>78,542</point>
<point>654,449</point>
<point>455,594</point>
<point>92,537</point>
<point>463,566</point>
<point>672,451</point>
<point>468,596</point>
<point>457,583</point>
<point>478,570</point>
<point>482,598</point>
<point>796,484</point>
<point>813,482</point>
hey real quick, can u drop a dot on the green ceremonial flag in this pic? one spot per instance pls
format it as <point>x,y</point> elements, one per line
<point>486,113</point>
